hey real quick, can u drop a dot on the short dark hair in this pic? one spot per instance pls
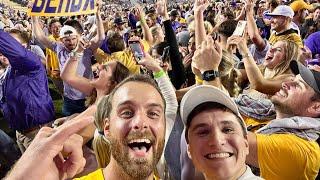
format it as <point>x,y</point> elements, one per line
<point>116,43</point>
<point>52,21</point>
<point>24,36</point>
<point>120,73</point>
<point>227,27</point>
<point>208,106</point>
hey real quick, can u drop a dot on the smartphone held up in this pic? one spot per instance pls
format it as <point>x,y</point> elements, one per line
<point>137,50</point>
<point>240,29</point>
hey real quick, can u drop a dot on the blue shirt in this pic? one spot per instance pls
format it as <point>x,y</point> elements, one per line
<point>26,101</point>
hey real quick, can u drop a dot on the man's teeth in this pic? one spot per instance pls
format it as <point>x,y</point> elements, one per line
<point>282,93</point>
<point>218,155</point>
<point>140,141</point>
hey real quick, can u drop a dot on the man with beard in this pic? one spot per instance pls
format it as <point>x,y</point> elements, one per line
<point>300,9</point>
<point>134,125</point>
<point>286,148</point>
<point>281,25</point>
<point>135,128</point>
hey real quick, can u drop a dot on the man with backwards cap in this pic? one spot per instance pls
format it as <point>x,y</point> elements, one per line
<point>286,148</point>
<point>70,36</point>
<point>281,25</point>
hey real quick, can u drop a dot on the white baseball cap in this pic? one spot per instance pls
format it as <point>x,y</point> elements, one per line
<point>205,93</point>
<point>67,31</point>
<point>282,10</point>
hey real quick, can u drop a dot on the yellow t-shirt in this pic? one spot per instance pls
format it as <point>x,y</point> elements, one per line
<point>286,156</point>
<point>254,124</point>
<point>52,61</point>
<point>125,57</point>
<point>287,35</point>
<point>98,175</point>
<point>95,175</point>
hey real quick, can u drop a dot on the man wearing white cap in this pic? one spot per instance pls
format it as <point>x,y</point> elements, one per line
<point>286,148</point>
<point>216,134</point>
<point>281,19</point>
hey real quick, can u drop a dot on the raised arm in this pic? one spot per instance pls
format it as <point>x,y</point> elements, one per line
<point>252,27</point>
<point>145,28</point>
<point>70,76</point>
<point>19,57</point>
<point>39,34</point>
<point>97,40</point>
<point>208,57</point>
<point>200,31</point>
<point>177,76</point>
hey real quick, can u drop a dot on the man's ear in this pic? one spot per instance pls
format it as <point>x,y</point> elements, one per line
<point>188,151</point>
<point>246,142</point>
<point>106,128</point>
<point>314,109</point>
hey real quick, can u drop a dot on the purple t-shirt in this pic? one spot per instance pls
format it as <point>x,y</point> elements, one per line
<point>313,43</point>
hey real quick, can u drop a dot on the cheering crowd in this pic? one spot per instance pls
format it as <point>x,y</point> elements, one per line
<point>192,89</point>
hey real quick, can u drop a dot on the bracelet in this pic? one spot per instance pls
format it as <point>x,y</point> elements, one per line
<point>246,55</point>
<point>75,54</point>
<point>143,20</point>
<point>159,74</point>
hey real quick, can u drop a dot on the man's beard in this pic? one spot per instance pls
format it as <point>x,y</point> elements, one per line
<point>136,168</point>
<point>281,107</point>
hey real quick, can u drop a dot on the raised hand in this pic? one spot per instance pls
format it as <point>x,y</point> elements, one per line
<point>249,5</point>
<point>208,56</point>
<point>99,5</point>
<point>161,8</point>
<point>240,42</point>
<point>149,63</point>
<point>201,5</point>
<point>139,12</point>
<point>187,60</point>
<point>44,157</point>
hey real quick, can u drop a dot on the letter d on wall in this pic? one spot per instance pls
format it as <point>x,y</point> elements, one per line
<point>36,8</point>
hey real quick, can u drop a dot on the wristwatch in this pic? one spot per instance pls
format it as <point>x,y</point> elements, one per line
<point>210,75</point>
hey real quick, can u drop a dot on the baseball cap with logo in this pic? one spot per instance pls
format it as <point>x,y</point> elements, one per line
<point>67,31</point>
<point>282,10</point>
<point>300,4</point>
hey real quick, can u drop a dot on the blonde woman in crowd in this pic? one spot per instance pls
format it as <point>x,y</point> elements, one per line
<point>267,79</point>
